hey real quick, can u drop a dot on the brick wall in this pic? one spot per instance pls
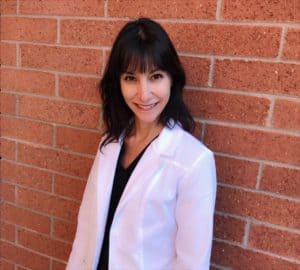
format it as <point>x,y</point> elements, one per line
<point>242,59</point>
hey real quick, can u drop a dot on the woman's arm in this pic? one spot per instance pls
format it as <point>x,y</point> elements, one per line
<point>194,215</point>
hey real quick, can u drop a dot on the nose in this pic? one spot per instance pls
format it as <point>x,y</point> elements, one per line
<point>144,89</point>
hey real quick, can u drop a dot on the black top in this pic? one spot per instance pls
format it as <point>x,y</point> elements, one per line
<point>120,180</point>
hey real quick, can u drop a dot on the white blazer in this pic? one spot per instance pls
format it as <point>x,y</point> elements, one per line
<point>164,219</point>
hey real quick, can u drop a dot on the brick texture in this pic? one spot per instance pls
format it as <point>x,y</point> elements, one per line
<point>225,39</point>
<point>26,130</point>
<point>83,32</point>
<point>64,230</point>
<point>240,258</point>
<point>44,244</point>
<point>292,48</point>
<point>69,187</point>
<point>8,54</point>
<point>194,9</point>
<point>287,114</point>
<point>7,103</point>
<point>254,143</point>
<point>71,164</point>
<point>227,107</point>
<point>27,29</point>
<point>281,180</point>
<point>46,203</point>
<point>26,176</point>
<point>79,88</point>
<point>61,58</point>
<point>24,257</point>
<point>70,138</point>
<point>236,172</point>
<point>241,59</point>
<point>258,206</point>
<point>8,6</point>
<point>261,10</point>
<point>257,76</point>
<point>229,228</point>
<point>27,81</point>
<point>197,70</point>
<point>25,218</point>
<point>275,241</point>
<point>59,111</point>
<point>63,7</point>
<point>8,149</point>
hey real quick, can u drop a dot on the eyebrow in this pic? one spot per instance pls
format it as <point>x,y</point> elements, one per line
<point>133,72</point>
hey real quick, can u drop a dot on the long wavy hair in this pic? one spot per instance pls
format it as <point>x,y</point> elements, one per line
<point>140,46</point>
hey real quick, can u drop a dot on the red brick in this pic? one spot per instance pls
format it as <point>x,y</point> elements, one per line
<point>229,228</point>
<point>28,29</point>
<point>258,76</point>
<point>7,102</point>
<point>77,140</point>
<point>198,131</point>
<point>292,41</point>
<point>193,9</point>
<point>79,88</point>
<point>236,172</point>
<point>7,232</point>
<point>260,10</point>
<point>44,244</point>
<point>25,218</point>
<point>24,257</point>
<point>61,58</point>
<point>63,7</point>
<point>83,32</point>
<point>26,130</point>
<point>55,160</point>
<point>258,206</point>
<point>287,114</point>
<point>28,81</point>
<point>48,204</point>
<point>281,180</point>
<point>254,143</point>
<point>8,149</point>
<point>7,192</point>
<point>26,176</point>
<point>238,258</point>
<point>64,230</point>
<point>8,54</point>
<point>225,39</point>
<point>5,265</point>
<point>197,70</point>
<point>58,265</point>
<point>8,7</point>
<point>275,241</point>
<point>228,107</point>
<point>69,187</point>
<point>59,111</point>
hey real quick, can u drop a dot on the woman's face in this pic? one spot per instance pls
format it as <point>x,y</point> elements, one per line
<point>146,94</point>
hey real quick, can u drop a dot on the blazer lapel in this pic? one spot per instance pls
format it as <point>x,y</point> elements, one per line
<point>149,163</point>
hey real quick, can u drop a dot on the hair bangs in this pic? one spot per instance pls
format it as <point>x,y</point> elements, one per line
<point>140,59</point>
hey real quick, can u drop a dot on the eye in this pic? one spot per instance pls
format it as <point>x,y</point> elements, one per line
<point>128,77</point>
<point>156,76</point>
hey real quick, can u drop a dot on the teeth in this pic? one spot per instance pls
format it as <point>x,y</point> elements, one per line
<point>147,107</point>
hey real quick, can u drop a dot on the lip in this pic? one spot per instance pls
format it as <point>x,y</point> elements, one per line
<point>146,107</point>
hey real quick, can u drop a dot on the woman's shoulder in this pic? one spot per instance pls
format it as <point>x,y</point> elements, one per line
<point>187,149</point>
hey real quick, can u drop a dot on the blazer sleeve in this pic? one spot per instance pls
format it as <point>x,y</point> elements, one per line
<point>194,214</point>
<point>83,250</point>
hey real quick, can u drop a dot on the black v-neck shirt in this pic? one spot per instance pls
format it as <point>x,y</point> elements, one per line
<point>121,178</point>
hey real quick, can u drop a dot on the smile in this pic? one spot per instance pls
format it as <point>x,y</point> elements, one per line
<point>146,107</point>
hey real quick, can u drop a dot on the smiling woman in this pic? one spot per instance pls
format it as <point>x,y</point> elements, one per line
<point>149,200</point>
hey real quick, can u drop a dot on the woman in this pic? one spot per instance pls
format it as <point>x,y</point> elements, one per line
<point>150,195</point>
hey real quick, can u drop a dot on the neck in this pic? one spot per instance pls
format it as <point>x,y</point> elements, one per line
<point>146,131</point>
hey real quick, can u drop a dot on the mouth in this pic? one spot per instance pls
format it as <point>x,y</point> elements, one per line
<point>146,107</point>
